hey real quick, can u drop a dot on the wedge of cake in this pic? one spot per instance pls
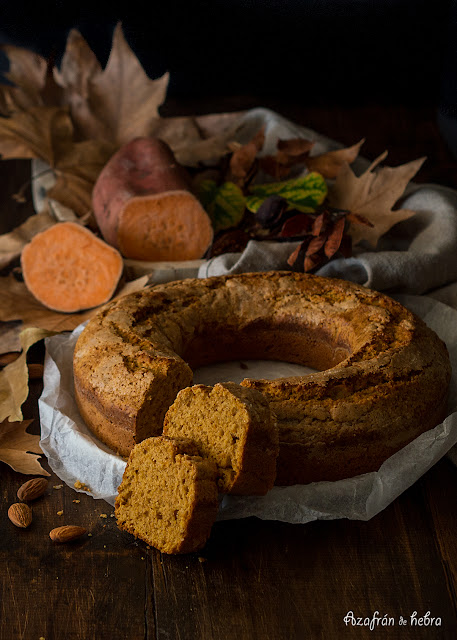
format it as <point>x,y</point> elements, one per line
<point>234,427</point>
<point>168,495</point>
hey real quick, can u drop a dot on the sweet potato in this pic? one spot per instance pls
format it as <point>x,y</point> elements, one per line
<point>143,205</point>
<point>67,268</point>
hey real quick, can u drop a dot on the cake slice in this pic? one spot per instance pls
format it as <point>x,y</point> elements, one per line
<point>233,426</point>
<point>168,495</point>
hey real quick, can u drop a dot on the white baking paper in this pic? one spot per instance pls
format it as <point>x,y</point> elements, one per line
<point>75,454</point>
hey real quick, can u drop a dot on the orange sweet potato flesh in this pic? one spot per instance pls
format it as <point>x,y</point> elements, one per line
<point>67,268</point>
<point>143,205</point>
<point>167,226</point>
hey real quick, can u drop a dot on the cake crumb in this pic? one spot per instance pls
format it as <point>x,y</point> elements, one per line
<point>202,559</point>
<point>58,486</point>
<point>103,515</point>
<point>113,515</point>
<point>60,513</point>
<point>80,485</point>
<point>76,501</point>
<point>89,535</point>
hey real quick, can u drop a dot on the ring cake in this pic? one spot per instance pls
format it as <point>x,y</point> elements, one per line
<point>382,376</point>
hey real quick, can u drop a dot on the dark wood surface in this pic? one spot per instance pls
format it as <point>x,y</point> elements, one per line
<point>254,579</point>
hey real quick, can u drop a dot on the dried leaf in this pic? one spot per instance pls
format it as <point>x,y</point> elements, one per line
<point>294,148</point>
<point>292,259</point>
<point>76,173</point>
<point>243,159</point>
<point>19,449</point>
<point>79,65</point>
<point>19,304</point>
<point>40,132</point>
<point>14,378</point>
<point>319,223</point>
<point>296,226</point>
<point>316,245</point>
<point>9,336</point>
<point>290,153</point>
<point>373,195</point>
<point>334,238</point>
<point>11,244</point>
<point>203,152</point>
<point>123,100</point>
<point>27,70</point>
<point>329,164</point>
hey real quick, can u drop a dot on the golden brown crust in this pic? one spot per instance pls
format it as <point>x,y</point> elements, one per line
<point>381,373</point>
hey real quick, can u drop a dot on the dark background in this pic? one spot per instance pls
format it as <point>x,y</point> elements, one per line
<point>319,51</point>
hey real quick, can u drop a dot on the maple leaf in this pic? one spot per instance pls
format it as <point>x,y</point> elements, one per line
<point>329,164</point>
<point>76,172</point>
<point>19,304</point>
<point>373,196</point>
<point>40,132</point>
<point>19,449</point>
<point>78,66</point>
<point>123,100</point>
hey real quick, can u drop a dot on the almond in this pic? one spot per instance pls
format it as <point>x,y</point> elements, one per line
<point>20,515</point>
<point>32,489</point>
<point>67,533</point>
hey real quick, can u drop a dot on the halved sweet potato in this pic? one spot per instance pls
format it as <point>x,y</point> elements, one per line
<point>67,268</point>
<point>143,205</point>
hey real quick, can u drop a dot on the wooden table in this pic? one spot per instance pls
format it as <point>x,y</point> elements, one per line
<point>254,579</point>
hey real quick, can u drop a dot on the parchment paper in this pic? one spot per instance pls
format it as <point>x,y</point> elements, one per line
<point>75,454</point>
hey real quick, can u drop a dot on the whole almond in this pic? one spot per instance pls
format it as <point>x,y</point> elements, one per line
<point>20,515</point>
<point>32,489</point>
<point>67,533</point>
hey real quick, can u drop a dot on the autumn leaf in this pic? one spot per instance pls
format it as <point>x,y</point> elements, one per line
<point>123,100</point>
<point>290,152</point>
<point>373,196</point>
<point>27,72</point>
<point>11,244</point>
<point>19,449</point>
<point>14,378</point>
<point>225,204</point>
<point>79,65</point>
<point>76,172</point>
<point>39,132</point>
<point>329,164</point>
<point>243,159</point>
<point>305,193</point>
<point>17,303</point>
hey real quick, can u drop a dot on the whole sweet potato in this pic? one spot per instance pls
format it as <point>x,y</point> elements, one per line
<point>143,205</point>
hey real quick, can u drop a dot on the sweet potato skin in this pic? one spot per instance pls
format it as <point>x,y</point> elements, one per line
<point>141,168</point>
<point>67,268</point>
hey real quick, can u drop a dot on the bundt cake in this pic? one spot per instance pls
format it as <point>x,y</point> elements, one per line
<point>382,377</point>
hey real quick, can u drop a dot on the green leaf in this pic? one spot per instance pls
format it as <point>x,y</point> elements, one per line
<point>225,204</point>
<point>304,194</point>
